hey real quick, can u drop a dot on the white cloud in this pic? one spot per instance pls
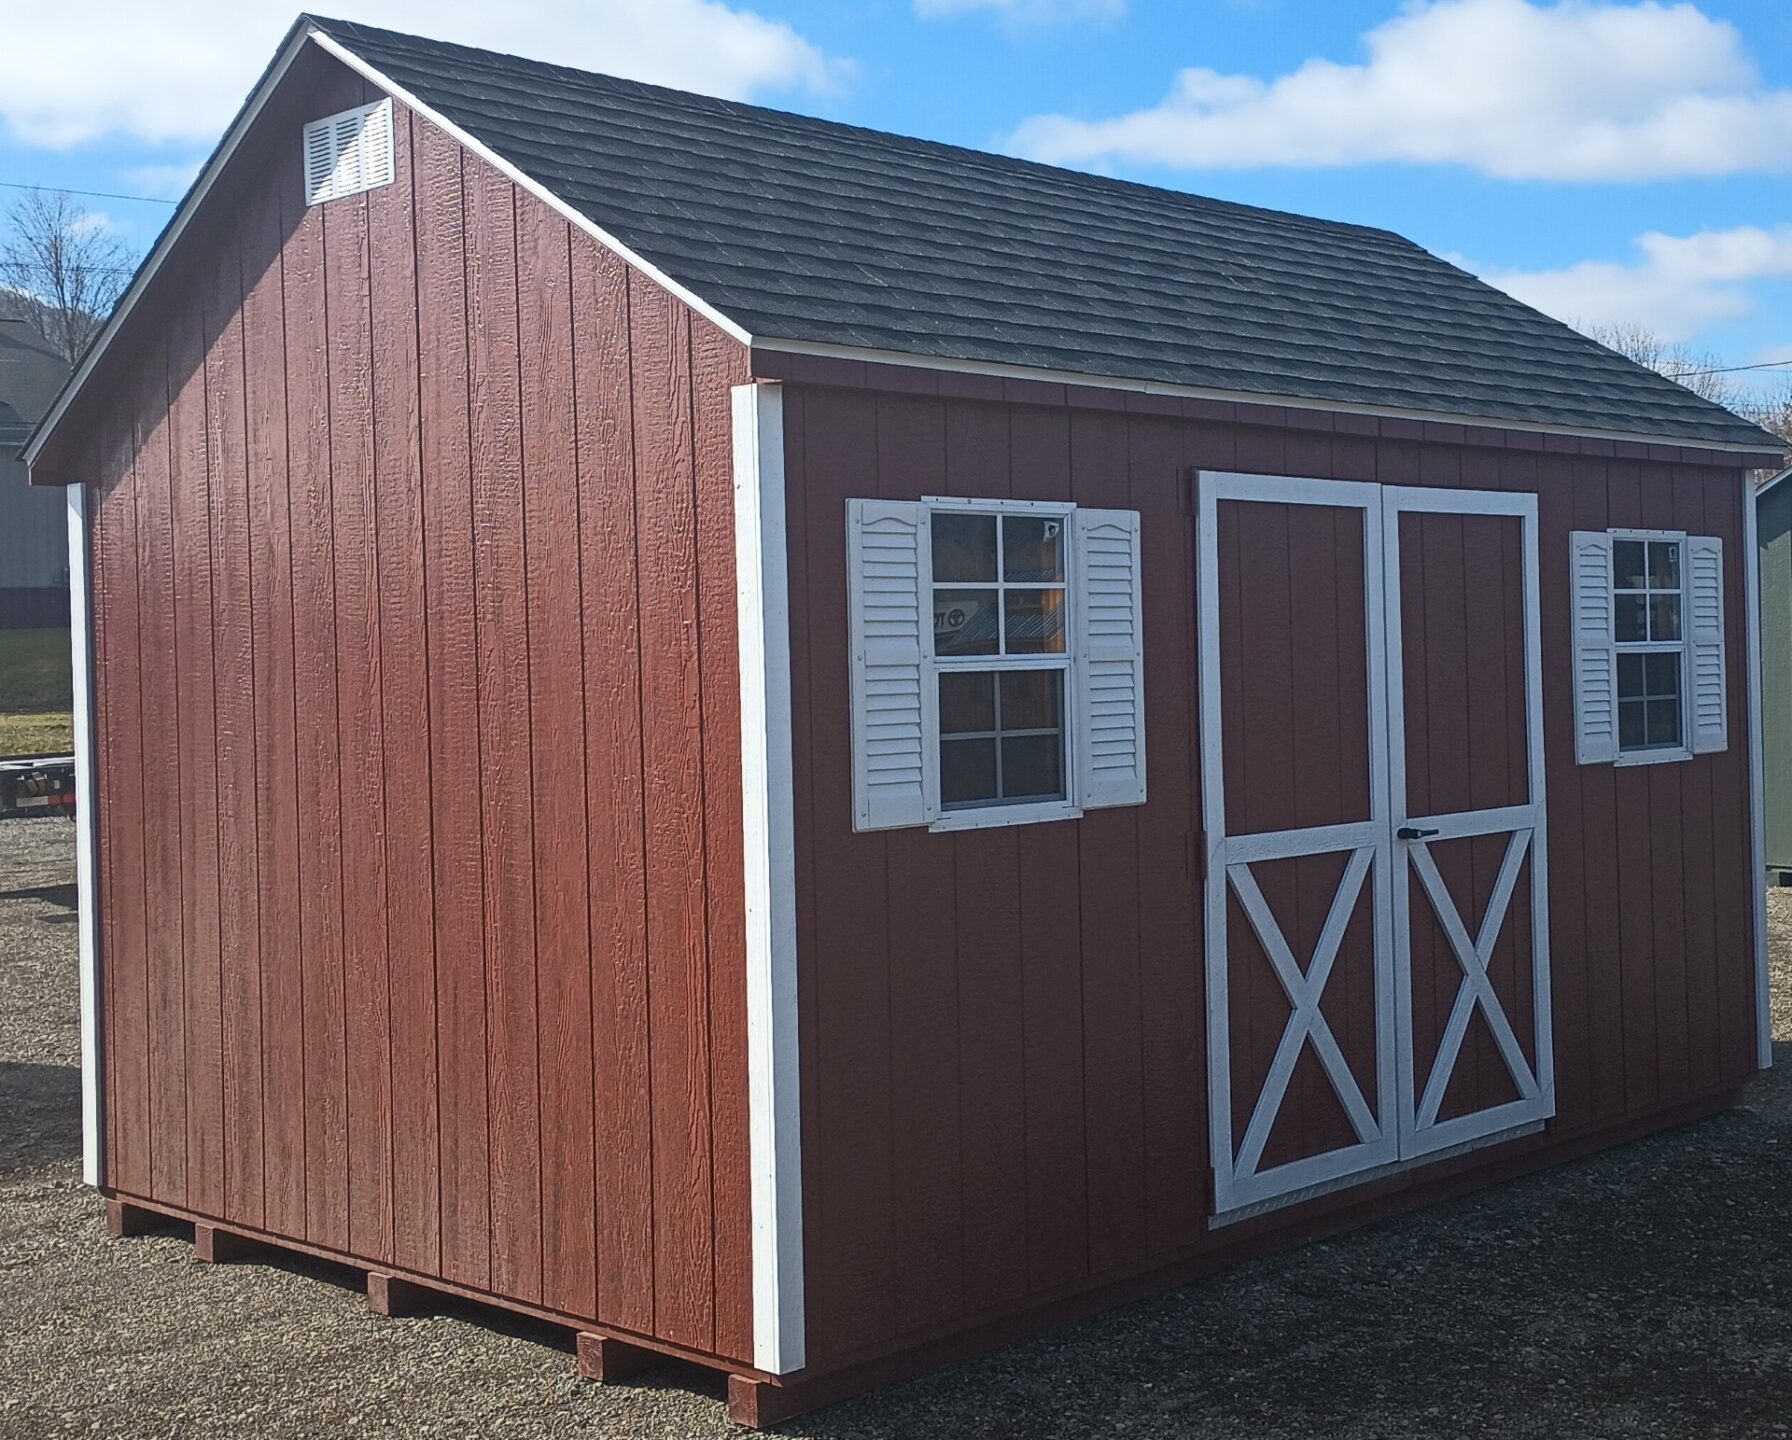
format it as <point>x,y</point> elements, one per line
<point>163,182</point>
<point>1676,287</point>
<point>71,73</point>
<point>1037,12</point>
<point>1575,90</point>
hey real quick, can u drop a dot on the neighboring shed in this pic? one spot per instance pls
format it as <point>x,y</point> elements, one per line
<point>809,750</point>
<point>1773,507</point>
<point>33,525</point>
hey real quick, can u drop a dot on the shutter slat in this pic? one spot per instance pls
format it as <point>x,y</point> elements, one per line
<point>1595,656</point>
<point>1110,659</point>
<point>1705,643</point>
<point>894,712</point>
<point>348,152</point>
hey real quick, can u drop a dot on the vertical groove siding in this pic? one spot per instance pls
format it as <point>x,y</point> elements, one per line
<point>1004,1079</point>
<point>417,698</point>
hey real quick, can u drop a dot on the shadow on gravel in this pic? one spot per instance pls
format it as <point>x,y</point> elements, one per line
<point>65,896</point>
<point>40,1117</point>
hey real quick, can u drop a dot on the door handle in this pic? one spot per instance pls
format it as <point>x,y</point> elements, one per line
<point>1413,832</point>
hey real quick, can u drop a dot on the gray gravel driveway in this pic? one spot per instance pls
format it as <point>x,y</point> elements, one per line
<point>1644,1292</point>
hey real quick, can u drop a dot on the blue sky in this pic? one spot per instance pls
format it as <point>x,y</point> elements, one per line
<point>1536,141</point>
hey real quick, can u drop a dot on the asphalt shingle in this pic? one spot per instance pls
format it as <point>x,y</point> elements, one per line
<point>805,230</point>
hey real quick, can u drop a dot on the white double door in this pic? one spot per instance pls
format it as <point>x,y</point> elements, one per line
<point>1376,936</point>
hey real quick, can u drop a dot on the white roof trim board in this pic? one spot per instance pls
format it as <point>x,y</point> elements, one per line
<point>307,32</point>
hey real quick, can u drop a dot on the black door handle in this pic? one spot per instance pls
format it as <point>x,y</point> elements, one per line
<point>1413,832</point>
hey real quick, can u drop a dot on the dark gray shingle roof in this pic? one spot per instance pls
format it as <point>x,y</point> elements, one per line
<point>806,230</point>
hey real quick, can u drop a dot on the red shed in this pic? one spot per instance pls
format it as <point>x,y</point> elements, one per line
<point>807,750</point>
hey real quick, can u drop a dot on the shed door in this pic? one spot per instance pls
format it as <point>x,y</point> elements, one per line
<point>1372,777</point>
<point>1300,966</point>
<point>1465,735</point>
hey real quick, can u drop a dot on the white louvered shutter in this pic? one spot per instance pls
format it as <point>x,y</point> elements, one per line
<point>1110,659</point>
<point>1705,643</point>
<point>348,152</point>
<point>1595,655</point>
<point>895,711</point>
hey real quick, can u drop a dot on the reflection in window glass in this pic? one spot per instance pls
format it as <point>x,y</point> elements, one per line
<point>1647,628</point>
<point>1032,548</point>
<point>1001,737</point>
<point>964,548</point>
<point>966,622</point>
<point>1649,702</point>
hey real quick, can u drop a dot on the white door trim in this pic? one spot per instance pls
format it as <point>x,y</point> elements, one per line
<point>1237,1181</point>
<point>1421,1132</point>
<point>1393,1139</point>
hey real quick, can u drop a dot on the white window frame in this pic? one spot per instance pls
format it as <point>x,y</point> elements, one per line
<point>1667,754</point>
<point>1020,812</point>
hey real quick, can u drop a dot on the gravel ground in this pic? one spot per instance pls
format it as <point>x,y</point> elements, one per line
<point>1644,1292</point>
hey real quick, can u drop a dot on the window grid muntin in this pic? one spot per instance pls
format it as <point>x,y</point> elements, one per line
<point>1001,585</point>
<point>1059,660</point>
<point>1676,647</point>
<point>998,735</point>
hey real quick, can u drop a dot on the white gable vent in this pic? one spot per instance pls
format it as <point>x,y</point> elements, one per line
<point>348,152</point>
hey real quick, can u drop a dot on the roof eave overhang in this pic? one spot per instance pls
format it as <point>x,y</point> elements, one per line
<point>999,370</point>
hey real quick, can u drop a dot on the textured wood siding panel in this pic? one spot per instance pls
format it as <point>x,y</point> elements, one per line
<point>1003,1033</point>
<point>421,871</point>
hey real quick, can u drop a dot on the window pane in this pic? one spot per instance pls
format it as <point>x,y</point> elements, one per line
<point>964,547</point>
<point>1032,767</point>
<point>1664,722</point>
<point>1630,617</point>
<point>964,622</point>
<point>1662,674</point>
<point>1032,548</point>
<point>1664,617</point>
<point>1632,725</point>
<point>1627,564</point>
<point>967,702</point>
<point>967,771</point>
<point>1032,699</point>
<point>1664,564</point>
<point>1632,681</point>
<point>1035,622</point>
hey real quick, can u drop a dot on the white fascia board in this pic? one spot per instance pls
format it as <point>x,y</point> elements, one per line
<point>1757,782</point>
<point>762,589</point>
<point>170,237</point>
<point>533,186</point>
<point>999,370</point>
<point>80,595</point>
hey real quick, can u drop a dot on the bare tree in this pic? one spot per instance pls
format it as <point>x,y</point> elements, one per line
<point>63,267</point>
<point>1700,372</point>
<point>1772,411</point>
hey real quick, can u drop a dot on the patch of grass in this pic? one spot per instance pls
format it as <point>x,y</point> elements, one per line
<point>36,692</point>
<point>45,733</point>
<point>34,671</point>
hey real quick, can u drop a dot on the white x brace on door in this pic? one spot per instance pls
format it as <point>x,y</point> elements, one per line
<point>1383,860</point>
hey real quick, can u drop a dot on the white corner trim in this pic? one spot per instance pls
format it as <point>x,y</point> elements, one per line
<point>1757,773</point>
<point>93,1135</point>
<point>1001,370</point>
<point>762,588</point>
<point>533,186</point>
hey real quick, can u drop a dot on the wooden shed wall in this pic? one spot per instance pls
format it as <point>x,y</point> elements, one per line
<point>420,837</point>
<point>1004,1079</point>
